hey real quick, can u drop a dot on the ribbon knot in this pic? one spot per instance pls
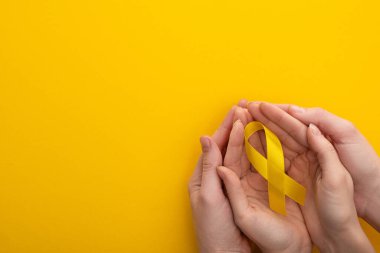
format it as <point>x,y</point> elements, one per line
<point>272,169</point>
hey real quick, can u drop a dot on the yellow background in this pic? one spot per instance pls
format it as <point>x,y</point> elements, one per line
<point>102,104</point>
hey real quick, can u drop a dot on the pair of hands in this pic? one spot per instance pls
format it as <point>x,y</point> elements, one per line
<point>341,173</point>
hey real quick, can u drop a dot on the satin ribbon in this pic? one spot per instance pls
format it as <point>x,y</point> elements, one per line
<point>272,169</point>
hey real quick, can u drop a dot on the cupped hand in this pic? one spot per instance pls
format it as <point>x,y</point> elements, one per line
<point>356,154</point>
<point>329,209</point>
<point>213,218</point>
<point>248,195</point>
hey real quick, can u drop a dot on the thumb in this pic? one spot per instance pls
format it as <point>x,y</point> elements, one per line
<point>211,159</point>
<point>236,194</point>
<point>331,166</point>
<point>255,224</point>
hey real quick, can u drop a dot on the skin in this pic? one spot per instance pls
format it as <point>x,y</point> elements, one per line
<point>356,154</point>
<point>213,217</point>
<point>214,221</point>
<point>310,159</point>
<point>248,195</point>
<point>219,225</point>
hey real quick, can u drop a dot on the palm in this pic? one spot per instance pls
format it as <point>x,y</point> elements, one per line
<point>303,166</point>
<point>355,152</point>
<point>322,197</point>
<point>256,189</point>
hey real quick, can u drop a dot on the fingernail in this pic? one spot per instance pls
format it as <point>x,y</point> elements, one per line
<point>314,129</point>
<point>237,122</point>
<point>253,102</point>
<point>243,102</point>
<point>297,109</point>
<point>220,171</point>
<point>205,142</point>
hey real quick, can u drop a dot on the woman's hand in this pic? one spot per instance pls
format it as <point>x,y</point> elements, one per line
<point>248,195</point>
<point>356,154</point>
<point>215,226</point>
<point>329,209</point>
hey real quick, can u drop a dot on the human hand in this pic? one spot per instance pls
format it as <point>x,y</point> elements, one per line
<point>248,194</point>
<point>215,226</point>
<point>356,154</point>
<point>329,209</point>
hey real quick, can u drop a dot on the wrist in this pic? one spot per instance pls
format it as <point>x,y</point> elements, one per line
<point>226,251</point>
<point>301,247</point>
<point>372,203</point>
<point>351,240</point>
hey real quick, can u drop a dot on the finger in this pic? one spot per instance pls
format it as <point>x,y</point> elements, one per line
<point>240,115</point>
<point>248,115</point>
<point>339,129</point>
<point>286,122</point>
<point>211,159</point>
<point>331,167</point>
<point>220,137</point>
<point>196,178</point>
<point>290,146</point>
<point>243,102</point>
<point>235,192</point>
<point>235,148</point>
<point>252,221</point>
<point>257,140</point>
<point>245,117</point>
<point>309,212</point>
<point>284,107</point>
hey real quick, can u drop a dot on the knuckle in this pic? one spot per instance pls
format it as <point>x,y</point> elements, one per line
<point>281,117</point>
<point>348,127</point>
<point>329,148</point>
<point>335,183</point>
<point>241,219</point>
<point>193,184</point>
<point>319,111</point>
<point>206,199</point>
<point>328,151</point>
<point>294,133</point>
<point>207,163</point>
<point>286,139</point>
<point>190,187</point>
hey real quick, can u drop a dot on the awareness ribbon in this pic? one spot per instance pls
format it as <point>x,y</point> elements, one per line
<point>272,169</point>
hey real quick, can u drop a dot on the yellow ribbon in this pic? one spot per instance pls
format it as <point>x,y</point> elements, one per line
<point>272,169</point>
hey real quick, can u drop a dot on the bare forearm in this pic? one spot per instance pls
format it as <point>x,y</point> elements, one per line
<point>372,215</point>
<point>372,208</point>
<point>353,241</point>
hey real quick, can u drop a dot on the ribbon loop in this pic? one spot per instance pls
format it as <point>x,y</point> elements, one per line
<point>272,169</point>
